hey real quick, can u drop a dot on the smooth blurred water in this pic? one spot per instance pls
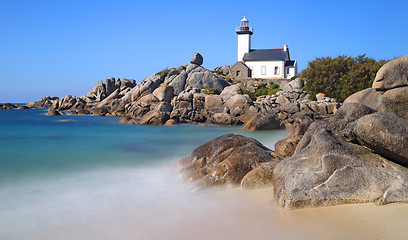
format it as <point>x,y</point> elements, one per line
<point>57,178</point>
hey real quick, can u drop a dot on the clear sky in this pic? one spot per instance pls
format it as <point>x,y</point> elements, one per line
<point>65,47</point>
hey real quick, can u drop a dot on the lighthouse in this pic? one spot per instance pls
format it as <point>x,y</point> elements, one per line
<point>244,32</point>
<point>269,63</point>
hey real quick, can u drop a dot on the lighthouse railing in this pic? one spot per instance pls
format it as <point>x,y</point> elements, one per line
<point>243,29</point>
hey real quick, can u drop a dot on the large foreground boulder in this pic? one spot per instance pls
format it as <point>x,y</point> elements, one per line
<point>330,171</point>
<point>224,160</point>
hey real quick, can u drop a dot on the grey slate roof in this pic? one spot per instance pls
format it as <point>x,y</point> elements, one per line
<point>265,54</point>
<point>289,63</point>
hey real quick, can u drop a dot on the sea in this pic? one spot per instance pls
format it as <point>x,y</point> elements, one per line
<point>91,177</point>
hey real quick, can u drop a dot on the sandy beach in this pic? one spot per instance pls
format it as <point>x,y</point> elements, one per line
<point>251,214</point>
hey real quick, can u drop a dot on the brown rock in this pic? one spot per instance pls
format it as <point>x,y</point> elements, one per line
<point>261,176</point>
<point>125,119</point>
<point>171,122</point>
<point>224,160</point>
<point>282,100</point>
<point>52,112</point>
<point>147,100</point>
<point>213,102</point>
<point>224,119</point>
<point>261,122</point>
<point>9,106</point>
<point>287,146</point>
<point>241,101</point>
<point>164,93</point>
<point>154,118</point>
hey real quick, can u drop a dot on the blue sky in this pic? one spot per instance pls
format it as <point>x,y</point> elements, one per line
<point>65,47</point>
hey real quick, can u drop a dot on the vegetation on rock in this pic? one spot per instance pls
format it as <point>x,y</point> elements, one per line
<point>262,90</point>
<point>341,76</point>
<point>209,91</point>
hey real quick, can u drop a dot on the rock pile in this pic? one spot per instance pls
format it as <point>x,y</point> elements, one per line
<point>12,106</point>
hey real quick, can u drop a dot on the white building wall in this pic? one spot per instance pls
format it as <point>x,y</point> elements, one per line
<point>256,67</point>
<point>244,45</point>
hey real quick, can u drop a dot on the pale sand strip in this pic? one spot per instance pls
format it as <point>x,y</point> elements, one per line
<point>258,215</point>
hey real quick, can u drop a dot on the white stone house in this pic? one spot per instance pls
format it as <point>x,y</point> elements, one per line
<point>262,63</point>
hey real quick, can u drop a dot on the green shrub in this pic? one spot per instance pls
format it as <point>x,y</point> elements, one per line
<point>273,85</point>
<point>341,76</point>
<point>261,91</point>
<point>261,85</point>
<point>210,91</point>
<point>250,94</point>
<point>294,77</point>
<point>163,73</point>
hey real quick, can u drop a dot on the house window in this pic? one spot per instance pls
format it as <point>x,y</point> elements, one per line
<point>287,71</point>
<point>276,70</point>
<point>250,71</point>
<point>238,72</point>
<point>263,70</point>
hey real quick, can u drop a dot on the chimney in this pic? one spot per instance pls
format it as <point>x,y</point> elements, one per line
<point>285,47</point>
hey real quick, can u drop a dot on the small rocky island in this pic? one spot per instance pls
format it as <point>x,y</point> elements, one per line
<point>355,152</point>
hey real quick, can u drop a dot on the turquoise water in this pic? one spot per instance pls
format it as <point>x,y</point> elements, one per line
<point>58,177</point>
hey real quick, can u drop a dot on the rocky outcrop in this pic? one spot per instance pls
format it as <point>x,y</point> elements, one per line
<point>224,160</point>
<point>104,89</point>
<point>356,155</point>
<point>44,102</point>
<point>8,106</point>
<point>13,106</point>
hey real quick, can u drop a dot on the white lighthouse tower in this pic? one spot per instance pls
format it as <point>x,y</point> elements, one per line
<point>244,38</point>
